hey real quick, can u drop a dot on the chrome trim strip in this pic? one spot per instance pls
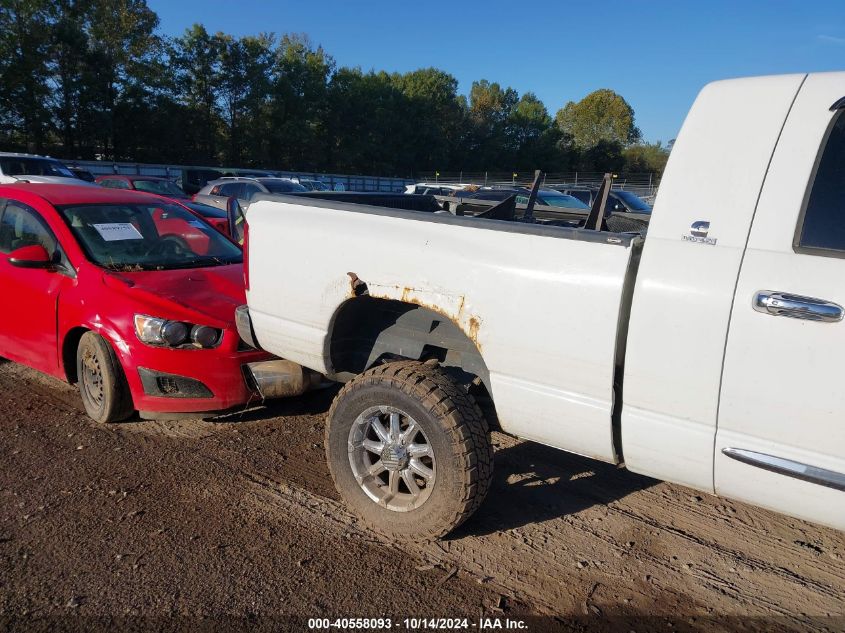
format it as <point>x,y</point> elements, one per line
<point>781,466</point>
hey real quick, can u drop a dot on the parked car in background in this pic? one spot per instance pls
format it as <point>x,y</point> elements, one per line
<point>217,192</point>
<point>438,189</point>
<point>148,184</point>
<point>131,297</point>
<point>548,197</point>
<point>82,174</point>
<point>618,200</point>
<point>251,173</point>
<point>192,180</point>
<point>32,168</point>
<point>218,218</point>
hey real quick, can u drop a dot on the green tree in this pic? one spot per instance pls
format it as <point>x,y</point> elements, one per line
<point>602,115</point>
<point>196,60</point>
<point>87,77</point>
<point>604,156</point>
<point>67,61</point>
<point>244,88</point>
<point>25,34</point>
<point>431,103</point>
<point>646,157</point>
<point>297,135</point>
<point>122,44</point>
<point>368,126</point>
<point>533,137</point>
<point>487,141</point>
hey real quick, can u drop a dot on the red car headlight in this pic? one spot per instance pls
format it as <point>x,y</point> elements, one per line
<point>166,333</point>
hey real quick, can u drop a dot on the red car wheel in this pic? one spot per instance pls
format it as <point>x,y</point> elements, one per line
<point>102,384</point>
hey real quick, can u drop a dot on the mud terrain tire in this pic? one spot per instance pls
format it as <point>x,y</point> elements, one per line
<point>453,430</point>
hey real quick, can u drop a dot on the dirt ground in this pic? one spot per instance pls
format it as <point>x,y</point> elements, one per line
<point>234,522</point>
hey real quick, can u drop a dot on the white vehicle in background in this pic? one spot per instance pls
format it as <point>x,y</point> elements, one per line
<point>437,188</point>
<point>706,353</point>
<point>33,168</point>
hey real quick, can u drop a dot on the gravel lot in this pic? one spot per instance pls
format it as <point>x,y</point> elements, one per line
<point>236,520</point>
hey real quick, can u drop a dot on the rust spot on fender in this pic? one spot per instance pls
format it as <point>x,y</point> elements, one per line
<point>461,307</point>
<point>474,324</point>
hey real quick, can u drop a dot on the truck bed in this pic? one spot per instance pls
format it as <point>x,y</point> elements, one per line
<point>510,287</point>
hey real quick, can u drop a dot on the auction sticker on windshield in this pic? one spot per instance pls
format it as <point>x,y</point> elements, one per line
<point>117,231</point>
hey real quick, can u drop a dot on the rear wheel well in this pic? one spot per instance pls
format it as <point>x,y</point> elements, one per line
<point>69,347</point>
<point>367,331</point>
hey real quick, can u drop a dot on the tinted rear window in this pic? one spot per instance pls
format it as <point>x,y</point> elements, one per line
<point>282,186</point>
<point>824,217</point>
<point>33,166</point>
<point>583,196</point>
<point>634,202</point>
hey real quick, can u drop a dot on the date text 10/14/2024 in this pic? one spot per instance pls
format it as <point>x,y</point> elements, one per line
<point>416,624</point>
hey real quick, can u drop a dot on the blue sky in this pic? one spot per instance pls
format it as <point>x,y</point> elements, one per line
<point>656,54</point>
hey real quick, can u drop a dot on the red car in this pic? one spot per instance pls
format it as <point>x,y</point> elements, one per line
<point>129,296</point>
<point>217,218</point>
<point>168,189</point>
<point>148,184</point>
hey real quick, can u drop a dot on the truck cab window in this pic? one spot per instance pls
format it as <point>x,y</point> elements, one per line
<point>824,218</point>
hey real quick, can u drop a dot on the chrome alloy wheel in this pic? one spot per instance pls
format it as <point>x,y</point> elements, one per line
<point>391,458</point>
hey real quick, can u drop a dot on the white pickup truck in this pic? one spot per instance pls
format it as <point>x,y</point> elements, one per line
<point>704,353</point>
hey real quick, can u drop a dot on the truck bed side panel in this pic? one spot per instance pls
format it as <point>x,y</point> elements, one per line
<point>542,310</point>
<point>690,263</point>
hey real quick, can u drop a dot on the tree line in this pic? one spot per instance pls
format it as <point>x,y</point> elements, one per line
<point>95,78</point>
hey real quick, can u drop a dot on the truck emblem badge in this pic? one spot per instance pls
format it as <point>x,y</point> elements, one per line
<point>698,231</point>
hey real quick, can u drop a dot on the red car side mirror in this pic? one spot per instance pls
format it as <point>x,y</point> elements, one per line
<point>34,256</point>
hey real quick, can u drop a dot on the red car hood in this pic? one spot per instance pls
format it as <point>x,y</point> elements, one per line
<point>212,293</point>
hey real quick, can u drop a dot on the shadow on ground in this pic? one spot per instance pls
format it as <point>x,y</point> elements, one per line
<point>534,483</point>
<point>531,483</point>
<point>312,403</point>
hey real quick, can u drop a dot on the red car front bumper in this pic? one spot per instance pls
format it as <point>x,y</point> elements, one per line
<point>187,380</point>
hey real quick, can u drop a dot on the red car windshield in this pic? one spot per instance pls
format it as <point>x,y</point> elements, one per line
<point>131,237</point>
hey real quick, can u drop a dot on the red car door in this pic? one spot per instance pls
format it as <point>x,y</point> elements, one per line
<point>30,295</point>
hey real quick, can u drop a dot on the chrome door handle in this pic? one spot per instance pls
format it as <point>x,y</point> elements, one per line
<point>797,307</point>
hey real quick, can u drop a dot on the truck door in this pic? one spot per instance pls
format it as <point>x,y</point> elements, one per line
<point>781,428</point>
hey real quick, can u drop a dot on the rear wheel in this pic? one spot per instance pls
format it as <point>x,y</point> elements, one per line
<point>102,383</point>
<point>409,450</point>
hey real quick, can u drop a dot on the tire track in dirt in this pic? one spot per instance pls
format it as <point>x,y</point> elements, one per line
<point>541,565</point>
<point>563,534</point>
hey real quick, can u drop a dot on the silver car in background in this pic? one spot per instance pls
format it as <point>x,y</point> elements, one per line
<point>217,192</point>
